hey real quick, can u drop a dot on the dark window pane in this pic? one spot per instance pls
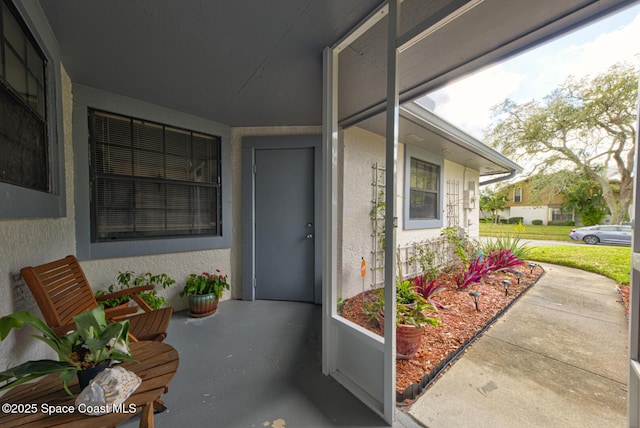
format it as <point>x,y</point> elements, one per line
<point>16,73</point>
<point>13,33</point>
<point>168,191</point>
<point>424,205</point>
<point>424,188</point>
<point>24,160</point>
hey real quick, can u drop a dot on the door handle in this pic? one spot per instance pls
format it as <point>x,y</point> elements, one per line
<point>309,235</point>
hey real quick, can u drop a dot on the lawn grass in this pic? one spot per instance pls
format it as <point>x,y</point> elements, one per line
<point>528,231</point>
<point>612,262</point>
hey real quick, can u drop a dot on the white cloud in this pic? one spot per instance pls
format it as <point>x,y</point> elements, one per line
<point>536,73</point>
<point>467,103</point>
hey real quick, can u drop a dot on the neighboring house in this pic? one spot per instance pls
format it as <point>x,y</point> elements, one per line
<point>182,137</point>
<point>522,202</point>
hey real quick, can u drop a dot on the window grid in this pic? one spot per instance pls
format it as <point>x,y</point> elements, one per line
<point>517,194</point>
<point>23,129</point>
<point>558,214</point>
<point>151,180</point>
<point>424,198</point>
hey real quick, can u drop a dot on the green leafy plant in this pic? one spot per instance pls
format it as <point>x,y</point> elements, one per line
<point>426,258</point>
<point>463,247</point>
<point>206,283</point>
<point>127,280</point>
<point>92,342</point>
<point>411,307</point>
<point>507,242</point>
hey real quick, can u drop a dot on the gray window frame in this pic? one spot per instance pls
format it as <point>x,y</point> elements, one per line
<point>85,98</point>
<point>21,202</point>
<point>141,181</point>
<point>431,158</point>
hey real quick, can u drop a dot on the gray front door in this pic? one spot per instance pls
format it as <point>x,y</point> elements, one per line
<point>284,229</point>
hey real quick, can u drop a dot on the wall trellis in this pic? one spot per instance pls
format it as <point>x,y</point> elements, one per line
<point>453,203</point>
<point>377,219</point>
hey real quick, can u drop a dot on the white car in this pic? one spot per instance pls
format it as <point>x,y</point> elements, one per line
<point>608,234</point>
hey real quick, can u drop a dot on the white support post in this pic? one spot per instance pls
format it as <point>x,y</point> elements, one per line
<point>633,399</point>
<point>330,204</point>
<point>390,220</point>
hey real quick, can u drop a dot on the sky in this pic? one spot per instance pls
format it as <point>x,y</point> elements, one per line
<point>536,73</point>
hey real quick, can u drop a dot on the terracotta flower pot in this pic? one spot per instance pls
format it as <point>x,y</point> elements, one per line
<point>202,305</point>
<point>408,339</point>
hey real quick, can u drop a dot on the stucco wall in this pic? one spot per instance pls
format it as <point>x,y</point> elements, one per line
<point>359,150</point>
<point>530,213</point>
<point>32,241</point>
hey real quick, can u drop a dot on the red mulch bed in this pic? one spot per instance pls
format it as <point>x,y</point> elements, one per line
<point>459,319</point>
<point>624,299</point>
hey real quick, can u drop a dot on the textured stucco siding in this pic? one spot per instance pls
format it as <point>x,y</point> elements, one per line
<point>32,241</point>
<point>360,149</point>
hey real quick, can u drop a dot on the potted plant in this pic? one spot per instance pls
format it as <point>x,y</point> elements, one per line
<point>413,313</point>
<point>204,291</point>
<point>86,350</point>
<point>127,280</point>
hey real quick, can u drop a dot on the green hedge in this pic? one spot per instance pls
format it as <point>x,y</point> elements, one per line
<point>537,222</point>
<point>515,220</point>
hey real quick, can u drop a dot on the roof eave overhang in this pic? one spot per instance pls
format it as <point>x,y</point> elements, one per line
<point>428,120</point>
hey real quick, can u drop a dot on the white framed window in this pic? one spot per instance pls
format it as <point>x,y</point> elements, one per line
<point>423,193</point>
<point>517,194</point>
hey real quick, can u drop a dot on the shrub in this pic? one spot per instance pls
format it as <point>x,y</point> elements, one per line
<point>501,259</point>
<point>515,220</point>
<point>427,289</point>
<point>503,221</point>
<point>474,273</point>
<point>463,247</point>
<point>569,223</point>
<point>537,222</point>
<point>519,250</point>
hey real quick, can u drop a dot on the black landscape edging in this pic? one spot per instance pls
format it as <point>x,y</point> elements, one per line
<point>415,389</point>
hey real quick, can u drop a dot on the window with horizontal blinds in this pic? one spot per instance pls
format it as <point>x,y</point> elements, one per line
<point>150,180</point>
<point>23,125</point>
<point>424,188</point>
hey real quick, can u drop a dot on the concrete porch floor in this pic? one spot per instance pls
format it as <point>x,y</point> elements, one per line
<point>557,358</point>
<point>256,364</point>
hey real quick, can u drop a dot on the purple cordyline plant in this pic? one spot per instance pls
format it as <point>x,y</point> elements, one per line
<point>474,273</point>
<point>502,259</point>
<point>428,289</point>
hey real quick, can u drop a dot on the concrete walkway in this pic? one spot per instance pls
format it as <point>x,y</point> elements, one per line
<point>557,358</point>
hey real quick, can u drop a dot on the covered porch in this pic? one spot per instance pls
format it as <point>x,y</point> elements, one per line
<point>233,71</point>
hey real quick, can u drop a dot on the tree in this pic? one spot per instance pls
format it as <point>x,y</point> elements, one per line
<point>585,199</point>
<point>580,193</point>
<point>586,125</point>
<point>492,202</point>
